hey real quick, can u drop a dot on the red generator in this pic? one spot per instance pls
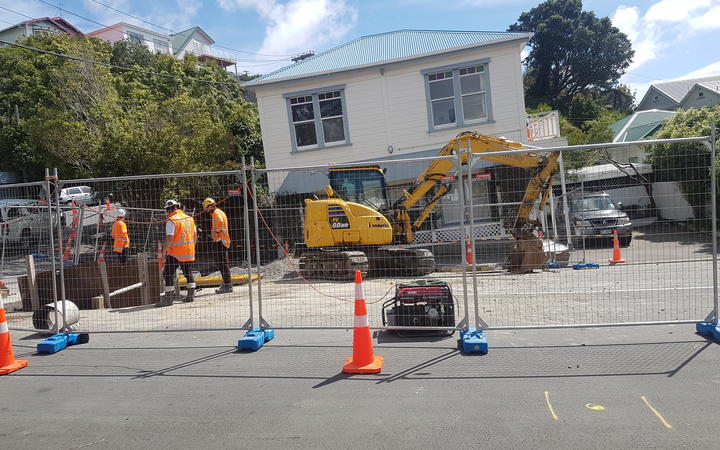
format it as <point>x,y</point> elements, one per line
<point>420,304</point>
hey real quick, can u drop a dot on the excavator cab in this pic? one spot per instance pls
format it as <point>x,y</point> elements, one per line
<point>363,185</point>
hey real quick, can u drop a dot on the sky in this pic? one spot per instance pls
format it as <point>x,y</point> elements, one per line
<point>672,39</point>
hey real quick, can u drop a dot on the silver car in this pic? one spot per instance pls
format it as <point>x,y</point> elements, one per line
<point>80,194</point>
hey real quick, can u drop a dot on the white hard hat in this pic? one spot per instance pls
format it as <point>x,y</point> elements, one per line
<point>172,204</point>
<point>121,212</point>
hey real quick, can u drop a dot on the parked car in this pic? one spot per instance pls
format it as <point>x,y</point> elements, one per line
<point>22,221</point>
<point>81,194</point>
<point>595,214</point>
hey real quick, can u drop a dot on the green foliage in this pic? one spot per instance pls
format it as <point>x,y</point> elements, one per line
<point>593,131</point>
<point>91,120</point>
<point>572,51</point>
<point>689,162</point>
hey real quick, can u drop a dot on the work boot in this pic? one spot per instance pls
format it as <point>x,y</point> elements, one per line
<point>224,288</point>
<point>168,299</point>
<point>190,297</point>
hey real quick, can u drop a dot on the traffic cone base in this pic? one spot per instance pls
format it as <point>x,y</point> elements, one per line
<point>375,367</point>
<point>17,365</point>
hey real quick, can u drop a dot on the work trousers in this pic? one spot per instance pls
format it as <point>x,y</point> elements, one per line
<point>121,257</point>
<point>171,265</point>
<point>222,258</point>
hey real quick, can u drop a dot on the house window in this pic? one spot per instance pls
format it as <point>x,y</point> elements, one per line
<point>318,119</point>
<point>135,38</point>
<point>457,96</point>
<point>161,46</point>
<point>701,94</point>
<point>656,98</point>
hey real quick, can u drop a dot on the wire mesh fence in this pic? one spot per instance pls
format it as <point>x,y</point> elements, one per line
<point>442,243</point>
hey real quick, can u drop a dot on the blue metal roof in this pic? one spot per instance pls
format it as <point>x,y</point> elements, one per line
<point>383,48</point>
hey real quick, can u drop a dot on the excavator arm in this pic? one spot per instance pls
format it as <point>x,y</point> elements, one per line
<point>430,181</point>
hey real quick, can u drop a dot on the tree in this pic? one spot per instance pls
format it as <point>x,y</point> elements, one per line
<point>572,51</point>
<point>90,120</point>
<point>687,164</point>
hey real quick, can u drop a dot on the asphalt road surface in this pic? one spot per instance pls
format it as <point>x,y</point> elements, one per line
<point>630,387</point>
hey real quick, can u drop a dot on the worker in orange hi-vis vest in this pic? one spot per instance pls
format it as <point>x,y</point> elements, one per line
<point>121,239</point>
<point>179,250</point>
<point>221,243</point>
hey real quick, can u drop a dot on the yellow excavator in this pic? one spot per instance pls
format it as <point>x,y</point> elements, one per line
<point>357,228</point>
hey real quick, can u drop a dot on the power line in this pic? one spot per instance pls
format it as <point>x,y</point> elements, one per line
<point>16,12</point>
<point>173,32</point>
<point>113,66</point>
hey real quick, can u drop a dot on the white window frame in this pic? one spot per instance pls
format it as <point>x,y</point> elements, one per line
<point>313,96</point>
<point>460,121</point>
<point>165,45</point>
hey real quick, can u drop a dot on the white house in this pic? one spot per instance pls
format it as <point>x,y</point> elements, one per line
<point>398,94</point>
<point>196,42</point>
<point>156,42</point>
<point>38,26</point>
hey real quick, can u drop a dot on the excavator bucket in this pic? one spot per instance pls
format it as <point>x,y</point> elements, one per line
<point>527,255</point>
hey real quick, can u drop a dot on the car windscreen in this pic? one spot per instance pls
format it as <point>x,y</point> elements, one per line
<point>593,204</point>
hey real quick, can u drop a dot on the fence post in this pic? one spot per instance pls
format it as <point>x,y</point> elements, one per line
<point>32,282</point>
<point>478,323</point>
<point>713,197</point>
<point>566,212</point>
<point>60,251</point>
<point>51,231</point>
<point>248,252</point>
<point>253,182</point>
<point>461,212</point>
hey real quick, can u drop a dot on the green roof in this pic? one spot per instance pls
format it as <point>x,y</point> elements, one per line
<point>640,125</point>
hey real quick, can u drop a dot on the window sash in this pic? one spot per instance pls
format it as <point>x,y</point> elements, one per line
<point>326,113</point>
<point>469,100</point>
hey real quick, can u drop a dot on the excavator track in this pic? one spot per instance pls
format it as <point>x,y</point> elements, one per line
<point>395,261</point>
<point>332,264</point>
<point>376,262</point>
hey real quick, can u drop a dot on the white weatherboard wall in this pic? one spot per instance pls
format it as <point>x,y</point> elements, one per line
<point>388,108</point>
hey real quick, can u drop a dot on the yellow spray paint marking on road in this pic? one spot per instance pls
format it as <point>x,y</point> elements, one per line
<point>595,407</point>
<point>549,405</point>
<point>655,411</point>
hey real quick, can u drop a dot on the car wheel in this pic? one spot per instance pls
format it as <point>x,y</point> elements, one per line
<point>625,241</point>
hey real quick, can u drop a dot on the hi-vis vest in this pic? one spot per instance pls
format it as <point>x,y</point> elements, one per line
<point>120,235</point>
<point>182,245</point>
<point>220,228</point>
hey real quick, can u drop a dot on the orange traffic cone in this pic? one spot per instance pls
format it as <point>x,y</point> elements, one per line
<point>616,258</point>
<point>8,363</point>
<point>160,259</point>
<point>362,360</point>
<point>101,256</point>
<point>468,250</point>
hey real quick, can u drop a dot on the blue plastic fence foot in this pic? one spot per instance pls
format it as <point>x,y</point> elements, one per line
<point>253,340</point>
<point>59,341</point>
<point>53,344</point>
<point>269,334</point>
<point>474,341</point>
<point>553,265</point>
<point>586,265</point>
<point>709,329</point>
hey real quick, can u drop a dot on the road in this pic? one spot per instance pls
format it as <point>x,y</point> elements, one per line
<point>636,387</point>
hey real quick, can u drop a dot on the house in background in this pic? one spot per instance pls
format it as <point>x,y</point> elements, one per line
<point>682,94</point>
<point>38,26</point>
<point>636,127</point>
<point>196,42</point>
<point>156,42</point>
<point>398,94</point>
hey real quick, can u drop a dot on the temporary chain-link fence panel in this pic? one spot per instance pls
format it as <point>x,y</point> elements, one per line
<point>626,242</point>
<point>321,236</point>
<point>113,252</point>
